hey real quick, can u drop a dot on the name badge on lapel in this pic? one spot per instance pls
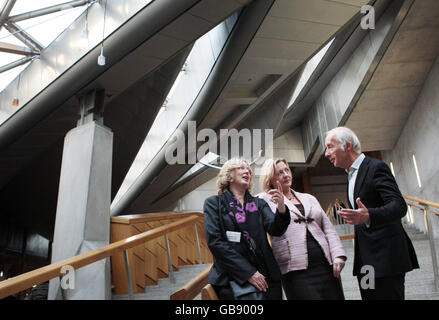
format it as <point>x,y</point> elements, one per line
<point>233,236</point>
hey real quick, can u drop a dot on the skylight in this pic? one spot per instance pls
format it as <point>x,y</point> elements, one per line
<point>309,69</point>
<point>29,29</point>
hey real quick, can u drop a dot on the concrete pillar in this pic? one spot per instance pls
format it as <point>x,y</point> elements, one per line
<point>83,210</point>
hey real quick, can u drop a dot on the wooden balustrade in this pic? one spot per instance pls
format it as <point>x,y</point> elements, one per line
<point>180,221</point>
<point>191,289</point>
<point>148,262</point>
<point>208,293</point>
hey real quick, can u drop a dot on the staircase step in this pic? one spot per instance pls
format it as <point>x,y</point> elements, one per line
<point>419,283</point>
<point>164,287</point>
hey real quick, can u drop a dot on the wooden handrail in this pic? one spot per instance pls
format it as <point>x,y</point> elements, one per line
<point>191,289</point>
<point>208,293</point>
<point>148,217</point>
<point>347,236</point>
<point>422,201</point>
<point>328,211</point>
<point>422,208</point>
<point>416,206</point>
<point>29,279</point>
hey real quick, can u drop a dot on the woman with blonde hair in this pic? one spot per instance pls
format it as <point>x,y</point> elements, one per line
<point>236,226</point>
<point>310,254</point>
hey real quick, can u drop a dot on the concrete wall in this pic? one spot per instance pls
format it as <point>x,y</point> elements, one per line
<point>330,107</point>
<point>419,137</point>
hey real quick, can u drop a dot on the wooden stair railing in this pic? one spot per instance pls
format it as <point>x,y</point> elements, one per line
<point>425,206</point>
<point>191,289</point>
<point>24,281</point>
<point>208,293</point>
<point>423,203</point>
<point>335,221</point>
<point>149,261</point>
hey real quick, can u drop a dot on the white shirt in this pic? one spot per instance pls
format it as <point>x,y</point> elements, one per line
<point>352,177</point>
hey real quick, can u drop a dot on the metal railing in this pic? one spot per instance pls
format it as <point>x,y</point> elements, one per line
<point>424,205</point>
<point>27,280</point>
<point>429,214</point>
<point>332,214</point>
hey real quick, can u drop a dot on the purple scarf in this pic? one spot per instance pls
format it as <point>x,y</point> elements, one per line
<point>235,209</point>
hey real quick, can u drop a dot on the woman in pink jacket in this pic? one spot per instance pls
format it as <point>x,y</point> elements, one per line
<point>310,254</point>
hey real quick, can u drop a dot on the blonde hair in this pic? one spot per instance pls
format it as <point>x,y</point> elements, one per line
<point>227,174</point>
<point>268,172</point>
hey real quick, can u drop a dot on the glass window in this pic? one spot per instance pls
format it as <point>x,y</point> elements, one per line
<point>43,29</point>
<point>308,70</point>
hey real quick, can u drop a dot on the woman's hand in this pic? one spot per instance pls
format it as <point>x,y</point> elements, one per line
<point>258,281</point>
<point>337,266</point>
<point>278,197</point>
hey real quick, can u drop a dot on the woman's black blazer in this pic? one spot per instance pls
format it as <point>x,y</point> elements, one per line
<point>229,257</point>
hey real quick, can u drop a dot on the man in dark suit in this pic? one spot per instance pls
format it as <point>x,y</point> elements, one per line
<point>382,247</point>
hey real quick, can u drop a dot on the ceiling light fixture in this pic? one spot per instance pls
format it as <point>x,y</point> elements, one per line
<point>101,58</point>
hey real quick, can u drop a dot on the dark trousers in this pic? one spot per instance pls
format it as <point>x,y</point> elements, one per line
<point>388,288</point>
<point>274,291</point>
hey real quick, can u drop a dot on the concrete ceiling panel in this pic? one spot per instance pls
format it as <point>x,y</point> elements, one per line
<point>414,45</point>
<point>285,49</point>
<point>239,101</point>
<point>400,75</point>
<point>127,74</point>
<point>209,10</point>
<point>357,3</point>
<point>322,11</point>
<point>287,29</point>
<point>267,66</point>
<point>161,46</point>
<point>377,138</point>
<point>380,145</point>
<point>387,98</point>
<point>424,13</point>
<point>186,27</point>
<point>241,91</point>
<point>385,117</point>
<point>244,78</point>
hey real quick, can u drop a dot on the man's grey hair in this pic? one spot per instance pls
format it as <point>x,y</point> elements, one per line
<point>344,134</point>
